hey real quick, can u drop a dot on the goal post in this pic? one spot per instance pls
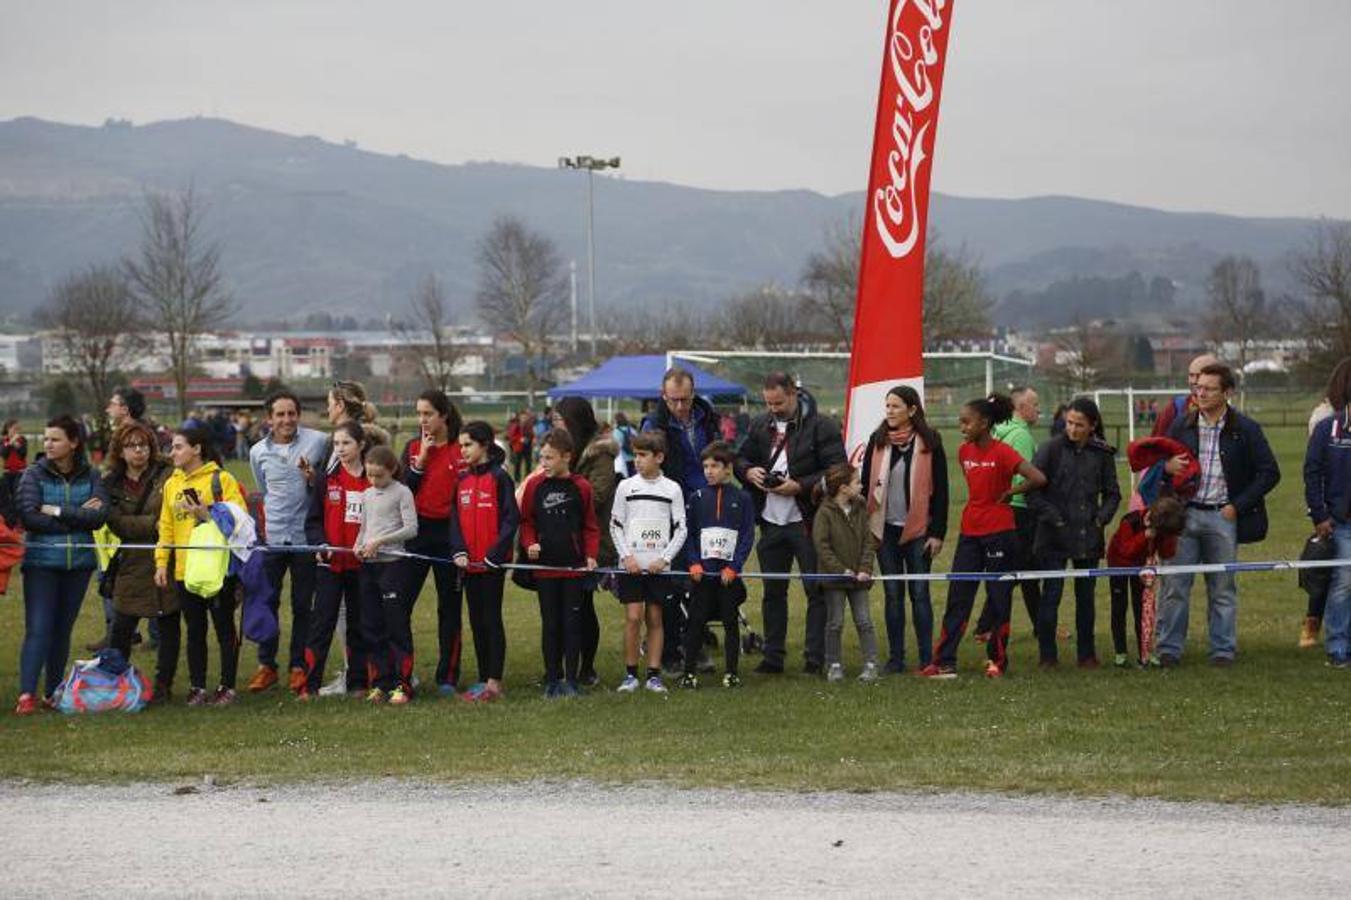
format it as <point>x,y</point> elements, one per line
<point>951,377</point>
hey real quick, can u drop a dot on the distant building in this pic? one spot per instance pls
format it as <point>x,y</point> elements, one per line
<point>20,353</point>
<point>1174,352</point>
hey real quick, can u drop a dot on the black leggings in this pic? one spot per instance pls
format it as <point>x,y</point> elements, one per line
<point>483,591</point>
<point>560,602</point>
<point>170,638</point>
<point>433,539</point>
<point>1120,585</point>
<point>1318,603</point>
<point>710,599</point>
<point>221,610</point>
<point>590,625</point>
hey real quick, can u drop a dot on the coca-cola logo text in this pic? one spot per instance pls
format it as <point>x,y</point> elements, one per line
<point>910,55</point>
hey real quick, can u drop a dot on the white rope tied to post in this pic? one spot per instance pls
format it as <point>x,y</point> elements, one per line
<point>1270,565</point>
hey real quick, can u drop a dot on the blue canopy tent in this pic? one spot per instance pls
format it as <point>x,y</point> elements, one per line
<point>639,377</point>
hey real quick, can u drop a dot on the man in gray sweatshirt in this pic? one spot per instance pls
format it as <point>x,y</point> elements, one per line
<point>283,467</point>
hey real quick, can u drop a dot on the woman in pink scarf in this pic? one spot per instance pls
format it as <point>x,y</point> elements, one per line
<point>905,478</point>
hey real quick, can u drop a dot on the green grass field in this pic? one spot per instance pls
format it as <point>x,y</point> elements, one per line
<point>1271,729</point>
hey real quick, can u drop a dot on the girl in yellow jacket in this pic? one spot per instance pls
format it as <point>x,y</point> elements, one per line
<point>199,479</point>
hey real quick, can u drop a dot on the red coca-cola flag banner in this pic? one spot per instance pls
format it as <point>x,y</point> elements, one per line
<point>888,339</point>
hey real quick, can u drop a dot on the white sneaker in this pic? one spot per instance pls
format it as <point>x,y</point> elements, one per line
<point>869,673</point>
<point>835,673</point>
<point>654,684</point>
<point>336,687</point>
<point>628,685</point>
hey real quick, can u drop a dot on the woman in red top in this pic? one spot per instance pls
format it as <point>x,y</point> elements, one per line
<point>488,518</point>
<point>987,542</point>
<point>432,467</point>
<point>334,520</point>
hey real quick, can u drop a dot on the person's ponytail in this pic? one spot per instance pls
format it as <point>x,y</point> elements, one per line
<point>481,433</point>
<point>995,409</point>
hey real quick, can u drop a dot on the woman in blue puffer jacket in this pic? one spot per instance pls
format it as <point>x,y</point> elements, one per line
<point>61,501</point>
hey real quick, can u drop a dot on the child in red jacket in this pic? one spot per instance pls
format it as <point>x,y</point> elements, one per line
<point>1143,538</point>
<point>334,520</point>
<point>485,501</point>
<point>558,529</point>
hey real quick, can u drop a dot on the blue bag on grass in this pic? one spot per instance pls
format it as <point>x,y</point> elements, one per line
<point>107,682</point>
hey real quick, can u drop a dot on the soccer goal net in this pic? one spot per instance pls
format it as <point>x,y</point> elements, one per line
<point>950,377</point>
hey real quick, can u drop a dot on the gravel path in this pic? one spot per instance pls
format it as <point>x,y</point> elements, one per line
<point>387,838</point>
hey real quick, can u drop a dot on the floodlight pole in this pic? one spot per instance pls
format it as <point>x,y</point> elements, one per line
<point>591,164</point>
<point>591,254</point>
<point>572,283</point>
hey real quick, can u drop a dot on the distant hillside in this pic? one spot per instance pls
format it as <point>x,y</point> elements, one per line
<point>310,226</point>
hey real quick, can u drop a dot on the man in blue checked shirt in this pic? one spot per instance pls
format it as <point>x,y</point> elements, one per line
<point>1238,470</point>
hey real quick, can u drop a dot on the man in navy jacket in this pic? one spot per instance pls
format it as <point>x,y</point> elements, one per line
<point>1238,470</point>
<point>1327,491</point>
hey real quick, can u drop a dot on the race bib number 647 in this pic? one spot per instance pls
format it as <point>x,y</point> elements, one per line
<point>717,543</point>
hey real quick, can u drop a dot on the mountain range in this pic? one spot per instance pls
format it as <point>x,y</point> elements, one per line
<point>307,225</point>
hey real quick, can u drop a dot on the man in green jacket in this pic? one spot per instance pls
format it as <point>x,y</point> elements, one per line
<point>1017,433</point>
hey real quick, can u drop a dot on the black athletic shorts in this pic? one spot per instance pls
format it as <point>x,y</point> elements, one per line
<point>644,588</point>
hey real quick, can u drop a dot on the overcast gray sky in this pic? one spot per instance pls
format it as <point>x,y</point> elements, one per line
<point>1229,105</point>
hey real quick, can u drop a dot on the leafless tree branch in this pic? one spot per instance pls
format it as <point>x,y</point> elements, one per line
<point>176,277</point>
<point>98,323</point>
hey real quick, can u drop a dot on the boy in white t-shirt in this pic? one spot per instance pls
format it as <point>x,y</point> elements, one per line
<point>647,523</point>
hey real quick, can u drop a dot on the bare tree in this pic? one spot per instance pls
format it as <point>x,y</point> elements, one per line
<point>1238,305</point>
<point>830,282</point>
<point>177,280</point>
<point>1324,271</point>
<point>1086,355</point>
<point>764,318</point>
<point>98,323</point>
<point>430,318</point>
<point>657,327</point>
<point>522,288</point>
<point>956,304</point>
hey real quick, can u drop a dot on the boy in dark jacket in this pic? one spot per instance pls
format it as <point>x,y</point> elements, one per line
<point>558,529</point>
<point>721,522</point>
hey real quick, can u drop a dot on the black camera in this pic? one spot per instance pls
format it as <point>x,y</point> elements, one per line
<point>772,480</point>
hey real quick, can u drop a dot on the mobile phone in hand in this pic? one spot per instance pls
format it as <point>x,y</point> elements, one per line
<point>192,496</point>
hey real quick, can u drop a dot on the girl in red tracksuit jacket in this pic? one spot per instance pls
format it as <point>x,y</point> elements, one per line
<point>1144,537</point>
<point>485,501</point>
<point>334,519</point>
<point>558,528</point>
